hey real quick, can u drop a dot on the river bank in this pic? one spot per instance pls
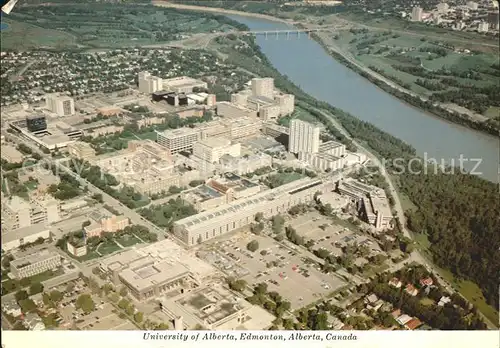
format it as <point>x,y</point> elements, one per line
<point>445,112</point>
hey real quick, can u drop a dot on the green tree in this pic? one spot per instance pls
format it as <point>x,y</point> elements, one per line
<point>130,310</point>
<point>85,303</point>
<point>123,304</point>
<point>138,317</point>
<point>253,246</point>
<point>56,296</point>
<point>36,288</point>
<point>123,291</point>
<point>21,295</point>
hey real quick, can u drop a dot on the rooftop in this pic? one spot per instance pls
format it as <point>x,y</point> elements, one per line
<point>9,236</point>
<point>33,258</point>
<point>174,133</point>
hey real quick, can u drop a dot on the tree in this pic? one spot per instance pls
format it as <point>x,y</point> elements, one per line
<point>56,296</point>
<point>138,317</point>
<point>27,305</point>
<point>259,216</point>
<point>123,304</point>
<point>85,303</point>
<point>130,310</point>
<point>21,295</point>
<point>237,285</point>
<point>253,246</point>
<point>123,291</point>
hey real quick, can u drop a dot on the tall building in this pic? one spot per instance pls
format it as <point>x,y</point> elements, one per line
<point>177,140</point>
<point>416,14</point>
<point>36,123</point>
<point>263,87</point>
<point>493,20</point>
<point>62,105</point>
<point>149,84</point>
<point>286,103</point>
<point>304,137</point>
<point>212,149</point>
<point>483,27</point>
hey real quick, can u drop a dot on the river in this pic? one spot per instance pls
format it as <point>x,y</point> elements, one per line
<point>306,63</point>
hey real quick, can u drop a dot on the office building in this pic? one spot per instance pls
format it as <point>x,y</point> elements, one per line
<point>240,98</point>
<point>159,96</point>
<point>483,27</point>
<point>19,213</point>
<point>105,224</point>
<point>212,149</point>
<point>156,269</point>
<point>183,84</point>
<point>214,308</point>
<point>11,154</point>
<point>36,123</point>
<point>240,213</point>
<point>332,148</point>
<point>263,87</point>
<point>149,84</point>
<point>13,239</point>
<point>81,150</point>
<point>76,247</point>
<point>177,140</point>
<point>417,14</point>
<point>286,103</point>
<point>322,161</point>
<point>270,112</point>
<point>34,264</point>
<point>242,128</point>
<point>304,137</point>
<point>62,105</point>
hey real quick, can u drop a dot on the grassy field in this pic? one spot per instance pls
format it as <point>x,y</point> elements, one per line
<point>128,240</point>
<point>103,26</point>
<point>24,36</point>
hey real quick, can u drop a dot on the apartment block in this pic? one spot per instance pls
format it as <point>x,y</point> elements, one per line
<point>149,84</point>
<point>212,149</point>
<point>332,148</point>
<point>62,105</point>
<point>34,264</point>
<point>177,140</point>
<point>304,137</point>
<point>417,14</point>
<point>81,150</point>
<point>263,87</point>
<point>240,213</point>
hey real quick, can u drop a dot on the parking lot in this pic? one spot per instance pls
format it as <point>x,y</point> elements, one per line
<point>282,269</point>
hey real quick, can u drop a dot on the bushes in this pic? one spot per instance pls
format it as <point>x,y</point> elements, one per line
<point>253,246</point>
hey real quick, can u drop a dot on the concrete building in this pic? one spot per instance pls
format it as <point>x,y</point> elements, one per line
<point>274,130</point>
<point>493,20</point>
<point>149,84</point>
<point>271,112</point>
<point>483,27</point>
<point>13,239</point>
<point>156,269</point>
<point>214,129</point>
<point>62,105</point>
<point>245,164</point>
<point>240,213</point>
<point>81,150</point>
<point>230,110</point>
<point>322,161</point>
<point>34,264</point>
<point>77,249</point>
<point>177,140</point>
<point>11,154</point>
<point>417,14</point>
<point>19,213</point>
<point>240,98</point>
<point>215,308</point>
<point>472,5</point>
<point>286,103</point>
<point>263,87</point>
<point>304,137</point>
<point>332,148</point>
<point>183,84</point>
<point>242,128</point>
<point>212,149</point>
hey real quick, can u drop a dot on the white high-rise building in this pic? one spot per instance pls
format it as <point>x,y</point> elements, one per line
<point>149,84</point>
<point>263,87</point>
<point>62,105</point>
<point>483,27</point>
<point>416,14</point>
<point>286,103</point>
<point>304,137</point>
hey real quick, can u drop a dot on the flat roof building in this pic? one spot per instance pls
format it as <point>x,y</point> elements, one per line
<point>263,87</point>
<point>227,109</point>
<point>11,154</point>
<point>62,105</point>
<point>34,264</point>
<point>304,137</point>
<point>81,150</point>
<point>13,239</point>
<point>240,213</point>
<point>149,84</point>
<point>177,140</point>
<point>212,149</point>
<point>183,84</point>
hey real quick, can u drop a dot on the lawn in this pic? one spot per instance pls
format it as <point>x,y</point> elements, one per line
<point>128,240</point>
<point>427,301</point>
<point>473,294</point>
<point>107,248</point>
<point>149,135</point>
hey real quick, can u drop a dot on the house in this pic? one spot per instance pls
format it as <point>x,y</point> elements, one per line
<point>12,308</point>
<point>411,290</point>
<point>426,281</point>
<point>413,324</point>
<point>34,322</point>
<point>403,319</point>
<point>371,299</point>
<point>395,282</point>
<point>444,300</point>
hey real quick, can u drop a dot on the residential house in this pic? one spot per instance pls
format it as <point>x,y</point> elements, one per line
<point>11,307</point>
<point>403,319</point>
<point>426,281</point>
<point>34,322</point>
<point>371,299</point>
<point>411,290</point>
<point>413,324</point>
<point>396,283</point>
<point>444,300</point>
